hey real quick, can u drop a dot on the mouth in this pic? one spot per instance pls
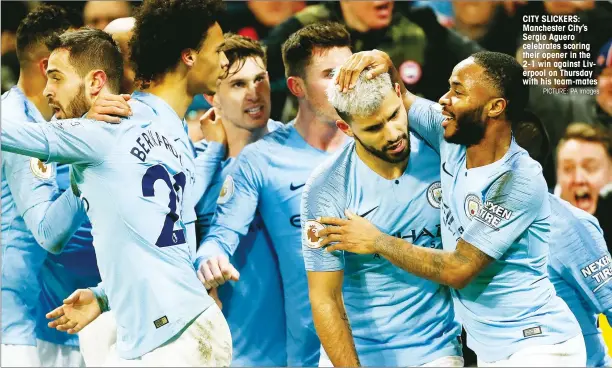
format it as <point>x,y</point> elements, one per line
<point>56,109</point>
<point>397,147</point>
<point>255,112</point>
<point>583,199</point>
<point>449,117</point>
<point>383,10</point>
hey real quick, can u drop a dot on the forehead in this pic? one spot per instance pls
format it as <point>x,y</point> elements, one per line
<point>60,60</point>
<point>252,66</point>
<point>577,149</point>
<point>213,38</point>
<point>471,76</point>
<point>323,59</point>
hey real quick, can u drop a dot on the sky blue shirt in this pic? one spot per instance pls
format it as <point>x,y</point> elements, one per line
<point>397,319</point>
<point>34,215</point>
<point>138,180</point>
<point>268,178</point>
<point>253,306</point>
<point>579,267</point>
<point>503,210</point>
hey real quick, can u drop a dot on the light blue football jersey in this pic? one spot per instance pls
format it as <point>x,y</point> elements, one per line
<point>397,319</point>
<point>61,274</point>
<point>34,215</point>
<point>503,210</point>
<point>268,178</point>
<point>254,306</point>
<point>579,268</point>
<point>136,180</point>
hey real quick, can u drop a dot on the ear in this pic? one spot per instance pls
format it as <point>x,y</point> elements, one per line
<point>97,81</point>
<point>497,107</point>
<point>343,125</point>
<point>398,90</point>
<point>296,86</point>
<point>188,56</point>
<point>42,66</point>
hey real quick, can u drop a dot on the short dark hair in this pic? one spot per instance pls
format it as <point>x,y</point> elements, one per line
<point>530,133</point>
<point>594,133</point>
<point>92,49</point>
<point>38,26</point>
<point>506,75</point>
<point>297,49</point>
<point>164,28</point>
<point>238,49</point>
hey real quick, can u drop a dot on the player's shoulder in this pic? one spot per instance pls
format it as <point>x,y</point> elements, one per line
<point>269,142</point>
<point>571,214</point>
<point>14,105</point>
<point>333,172</point>
<point>419,146</point>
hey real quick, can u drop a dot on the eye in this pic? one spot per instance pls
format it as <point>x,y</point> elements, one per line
<point>238,84</point>
<point>260,78</point>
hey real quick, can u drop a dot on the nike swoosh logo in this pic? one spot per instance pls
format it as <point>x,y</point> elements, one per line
<point>368,212</point>
<point>444,169</point>
<point>296,187</point>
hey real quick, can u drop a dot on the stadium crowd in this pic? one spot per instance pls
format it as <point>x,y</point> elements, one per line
<point>346,183</point>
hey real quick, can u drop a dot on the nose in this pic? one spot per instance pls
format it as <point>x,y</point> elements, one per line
<point>580,176</point>
<point>223,60</point>
<point>444,100</point>
<point>47,91</point>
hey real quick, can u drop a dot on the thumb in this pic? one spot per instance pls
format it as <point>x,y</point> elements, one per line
<point>349,214</point>
<point>73,298</point>
<point>208,116</point>
<point>376,71</point>
<point>235,275</point>
<point>126,96</point>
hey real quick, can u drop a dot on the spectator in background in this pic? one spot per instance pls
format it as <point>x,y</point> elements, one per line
<point>423,50</point>
<point>122,30</point>
<point>254,19</point>
<point>12,14</point>
<point>584,169</point>
<point>98,14</point>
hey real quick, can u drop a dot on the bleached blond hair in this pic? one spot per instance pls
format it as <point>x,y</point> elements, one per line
<point>364,99</point>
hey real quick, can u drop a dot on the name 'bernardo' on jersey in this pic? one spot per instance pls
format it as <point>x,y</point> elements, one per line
<point>151,140</point>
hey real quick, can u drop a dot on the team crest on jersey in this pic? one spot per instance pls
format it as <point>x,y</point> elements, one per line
<point>472,205</point>
<point>434,194</point>
<point>311,234</point>
<point>40,170</point>
<point>227,191</point>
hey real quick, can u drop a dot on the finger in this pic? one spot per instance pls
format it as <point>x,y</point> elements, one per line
<point>226,268</point>
<point>377,70</point>
<point>328,230</point>
<point>360,67</point>
<point>208,116</point>
<point>112,110</point>
<point>216,272</point>
<point>56,313</point>
<point>73,298</point>
<point>331,221</point>
<point>208,276</point>
<point>67,326</point>
<point>126,97</point>
<point>59,322</point>
<point>349,215</point>
<point>330,239</point>
<point>202,279</point>
<point>235,274</point>
<point>349,72</point>
<point>335,247</point>
<point>106,118</point>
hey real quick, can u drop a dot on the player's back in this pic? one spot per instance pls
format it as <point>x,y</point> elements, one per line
<point>579,268</point>
<point>134,195</point>
<point>22,256</point>
<point>259,330</point>
<point>396,318</point>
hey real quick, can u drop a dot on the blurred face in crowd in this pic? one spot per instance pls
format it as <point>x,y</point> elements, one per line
<point>98,14</point>
<point>244,96</point>
<point>464,104</point>
<point>583,169</point>
<point>474,13</point>
<point>273,13</point>
<point>604,85</point>
<point>317,78</point>
<point>208,64</point>
<point>66,91</point>
<point>367,15</point>
<point>567,7</point>
<point>385,133</point>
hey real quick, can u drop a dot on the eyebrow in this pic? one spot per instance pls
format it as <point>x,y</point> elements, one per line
<point>49,71</point>
<point>395,112</point>
<point>232,81</point>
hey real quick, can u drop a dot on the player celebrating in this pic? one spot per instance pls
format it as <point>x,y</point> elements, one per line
<point>242,106</point>
<point>396,318</point>
<point>151,266</point>
<point>269,175</point>
<point>495,217</point>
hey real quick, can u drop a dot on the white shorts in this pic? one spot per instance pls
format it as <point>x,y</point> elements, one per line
<point>19,356</point>
<point>447,361</point>
<point>96,339</point>
<point>570,353</point>
<point>206,342</point>
<point>55,355</point>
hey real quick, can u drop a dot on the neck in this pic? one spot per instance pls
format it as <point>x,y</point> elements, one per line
<point>492,147</point>
<point>172,88</point>
<point>32,84</point>
<point>351,20</point>
<point>322,135</point>
<point>388,170</point>
<point>240,137</point>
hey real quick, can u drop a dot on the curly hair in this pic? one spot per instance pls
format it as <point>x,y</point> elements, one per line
<point>164,28</point>
<point>38,26</point>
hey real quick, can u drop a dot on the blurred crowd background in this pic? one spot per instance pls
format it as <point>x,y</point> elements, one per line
<point>425,39</point>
